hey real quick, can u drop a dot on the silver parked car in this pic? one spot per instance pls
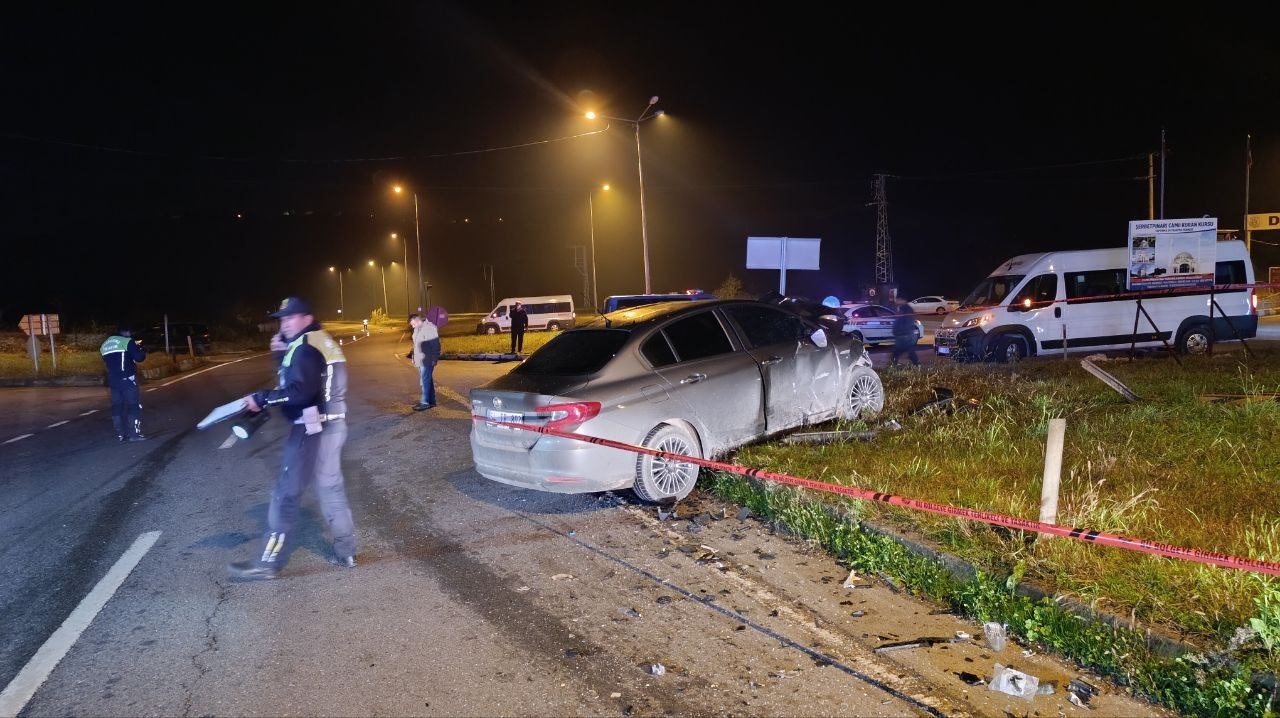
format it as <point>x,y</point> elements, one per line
<point>694,378</point>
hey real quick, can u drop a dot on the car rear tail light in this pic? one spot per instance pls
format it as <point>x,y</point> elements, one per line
<point>567,417</point>
<point>1253,303</point>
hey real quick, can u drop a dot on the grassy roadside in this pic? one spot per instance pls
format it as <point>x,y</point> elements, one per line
<point>1172,469</point>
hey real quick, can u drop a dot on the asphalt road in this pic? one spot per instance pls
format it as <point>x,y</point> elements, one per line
<point>471,597</point>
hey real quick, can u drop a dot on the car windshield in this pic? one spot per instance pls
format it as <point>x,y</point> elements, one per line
<point>992,290</point>
<point>575,353</point>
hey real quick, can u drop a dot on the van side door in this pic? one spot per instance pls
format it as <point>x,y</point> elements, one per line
<point>1037,308</point>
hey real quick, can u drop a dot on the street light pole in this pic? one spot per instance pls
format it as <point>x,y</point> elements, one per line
<point>644,226</point>
<point>407,299</point>
<point>383,268</point>
<point>341,304</point>
<point>591,218</point>
<point>417,230</point>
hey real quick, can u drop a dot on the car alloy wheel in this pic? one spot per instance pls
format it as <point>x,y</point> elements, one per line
<point>661,479</point>
<point>866,394</point>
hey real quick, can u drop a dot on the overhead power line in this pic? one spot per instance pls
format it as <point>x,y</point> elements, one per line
<point>290,160</point>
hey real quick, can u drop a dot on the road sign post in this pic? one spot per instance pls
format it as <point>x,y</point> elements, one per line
<point>39,325</point>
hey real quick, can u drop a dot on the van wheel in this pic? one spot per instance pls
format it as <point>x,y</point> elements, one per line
<point>661,480</point>
<point>1195,340</point>
<point>1009,350</point>
<point>491,329</point>
<point>866,394</point>
<point>553,326</point>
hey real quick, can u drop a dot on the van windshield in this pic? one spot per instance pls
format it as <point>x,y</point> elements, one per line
<point>992,291</point>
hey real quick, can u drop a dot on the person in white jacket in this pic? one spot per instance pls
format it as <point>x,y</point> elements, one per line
<point>425,354</point>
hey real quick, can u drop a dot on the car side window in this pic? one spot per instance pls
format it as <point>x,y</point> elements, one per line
<point>657,351</point>
<point>501,312</point>
<point>765,325</point>
<point>698,336</point>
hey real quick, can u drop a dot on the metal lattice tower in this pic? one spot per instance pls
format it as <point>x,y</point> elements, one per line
<point>884,245</point>
<point>580,264</point>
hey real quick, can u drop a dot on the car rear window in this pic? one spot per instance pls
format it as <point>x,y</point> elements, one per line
<point>574,353</point>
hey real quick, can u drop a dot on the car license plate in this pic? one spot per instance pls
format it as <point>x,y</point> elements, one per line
<point>507,416</point>
<point>943,350</point>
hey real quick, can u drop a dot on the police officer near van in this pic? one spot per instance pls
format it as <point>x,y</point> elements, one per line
<point>311,394</point>
<point>121,354</point>
<point>519,322</point>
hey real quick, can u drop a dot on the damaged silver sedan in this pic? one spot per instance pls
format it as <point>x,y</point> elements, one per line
<point>693,378</point>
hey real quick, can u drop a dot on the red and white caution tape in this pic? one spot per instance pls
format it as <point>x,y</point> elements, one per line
<point>1013,522</point>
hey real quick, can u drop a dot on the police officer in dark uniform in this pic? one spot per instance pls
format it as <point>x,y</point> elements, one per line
<point>120,354</point>
<point>300,396</point>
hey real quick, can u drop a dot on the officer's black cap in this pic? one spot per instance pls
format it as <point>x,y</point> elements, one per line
<point>292,305</point>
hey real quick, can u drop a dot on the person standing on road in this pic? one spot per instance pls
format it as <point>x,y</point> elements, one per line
<point>311,373</point>
<point>519,322</point>
<point>121,355</point>
<point>904,336</point>
<point>425,354</point>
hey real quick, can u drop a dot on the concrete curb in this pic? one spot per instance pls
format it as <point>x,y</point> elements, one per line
<point>69,380</point>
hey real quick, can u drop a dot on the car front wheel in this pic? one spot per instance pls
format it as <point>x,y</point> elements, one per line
<point>866,394</point>
<point>660,479</point>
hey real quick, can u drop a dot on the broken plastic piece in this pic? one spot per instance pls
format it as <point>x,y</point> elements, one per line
<point>972,679</point>
<point>657,669</point>
<point>1014,682</point>
<point>917,643</point>
<point>996,635</point>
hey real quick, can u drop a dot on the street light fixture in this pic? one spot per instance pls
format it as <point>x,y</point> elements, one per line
<point>644,228</point>
<point>417,229</point>
<point>591,218</point>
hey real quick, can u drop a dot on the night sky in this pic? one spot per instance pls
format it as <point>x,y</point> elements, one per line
<point>206,160</point>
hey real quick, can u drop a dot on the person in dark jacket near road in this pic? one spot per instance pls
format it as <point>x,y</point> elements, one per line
<point>425,354</point>
<point>519,322</point>
<point>307,371</point>
<point>904,336</point>
<point>120,354</point>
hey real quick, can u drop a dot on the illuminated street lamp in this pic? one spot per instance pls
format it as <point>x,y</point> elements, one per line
<point>644,229</point>
<point>417,229</point>
<point>341,304</point>
<point>591,218</point>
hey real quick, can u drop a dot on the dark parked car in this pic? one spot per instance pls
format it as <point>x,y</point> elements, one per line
<point>153,338</point>
<point>693,378</point>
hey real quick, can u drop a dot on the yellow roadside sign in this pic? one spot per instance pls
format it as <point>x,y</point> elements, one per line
<point>1265,220</point>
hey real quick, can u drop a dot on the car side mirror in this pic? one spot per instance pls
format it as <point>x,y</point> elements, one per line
<point>819,337</point>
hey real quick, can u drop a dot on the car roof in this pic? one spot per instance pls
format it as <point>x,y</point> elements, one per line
<point>860,306</point>
<point>634,317</point>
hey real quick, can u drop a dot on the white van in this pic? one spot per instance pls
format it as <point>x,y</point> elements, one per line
<point>1036,303</point>
<point>551,312</point>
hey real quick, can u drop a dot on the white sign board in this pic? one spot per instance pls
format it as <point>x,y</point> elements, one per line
<point>769,252</point>
<point>1172,253</point>
<point>783,253</point>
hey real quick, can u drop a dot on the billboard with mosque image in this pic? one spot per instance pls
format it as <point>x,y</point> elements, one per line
<point>1172,253</point>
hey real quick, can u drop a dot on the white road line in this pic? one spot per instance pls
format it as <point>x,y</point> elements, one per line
<point>86,413</point>
<point>60,423</point>
<point>155,387</point>
<point>188,376</point>
<point>17,438</point>
<point>20,690</point>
